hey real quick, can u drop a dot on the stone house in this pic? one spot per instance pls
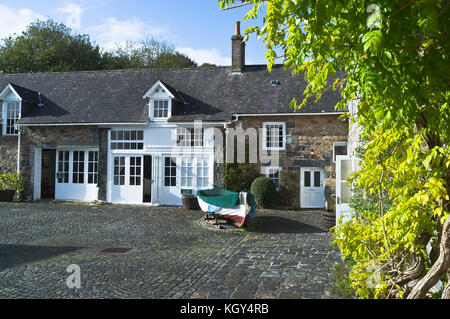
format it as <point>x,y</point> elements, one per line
<point>149,136</point>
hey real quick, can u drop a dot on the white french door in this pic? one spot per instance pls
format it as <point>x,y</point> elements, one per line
<point>312,189</point>
<point>127,179</point>
<point>345,165</point>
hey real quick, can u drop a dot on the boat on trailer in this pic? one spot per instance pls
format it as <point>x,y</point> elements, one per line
<point>233,207</point>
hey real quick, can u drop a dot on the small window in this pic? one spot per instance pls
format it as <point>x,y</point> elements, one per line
<point>187,172</point>
<point>11,116</point>
<point>274,135</point>
<point>160,109</point>
<point>307,179</point>
<point>190,137</point>
<point>170,172</point>
<point>119,170</point>
<point>135,170</point>
<point>339,148</point>
<point>93,167</point>
<point>127,140</point>
<point>78,167</point>
<point>316,179</point>
<point>274,174</point>
<point>63,167</point>
<point>202,172</point>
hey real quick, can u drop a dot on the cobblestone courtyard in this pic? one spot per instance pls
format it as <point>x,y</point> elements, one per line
<point>174,254</point>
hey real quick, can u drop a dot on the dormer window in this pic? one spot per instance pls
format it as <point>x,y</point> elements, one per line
<point>160,98</point>
<point>160,109</point>
<point>11,113</point>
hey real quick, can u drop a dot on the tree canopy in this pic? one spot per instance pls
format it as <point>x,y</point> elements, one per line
<point>391,58</point>
<point>48,46</point>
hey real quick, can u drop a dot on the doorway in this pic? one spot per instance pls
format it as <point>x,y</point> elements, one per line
<point>48,168</point>
<point>312,190</point>
<point>147,179</point>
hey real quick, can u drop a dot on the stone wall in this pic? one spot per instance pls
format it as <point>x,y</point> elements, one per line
<point>8,154</point>
<point>52,138</point>
<point>309,142</point>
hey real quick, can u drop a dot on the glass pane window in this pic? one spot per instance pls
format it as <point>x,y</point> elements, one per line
<point>135,171</point>
<point>63,167</point>
<point>307,180</point>
<point>93,167</point>
<point>12,114</point>
<point>202,172</point>
<point>187,172</point>
<point>160,109</point>
<point>78,167</point>
<point>339,148</point>
<point>274,136</point>
<point>190,136</point>
<point>274,174</point>
<point>127,140</point>
<point>170,172</point>
<point>316,179</point>
<point>119,170</point>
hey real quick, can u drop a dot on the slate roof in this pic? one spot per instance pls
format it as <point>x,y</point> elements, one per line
<point>209,94</point>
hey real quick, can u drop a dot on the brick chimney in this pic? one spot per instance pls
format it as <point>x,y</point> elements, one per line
<point>237,50</point>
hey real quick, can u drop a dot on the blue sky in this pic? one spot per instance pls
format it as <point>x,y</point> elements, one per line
<point>197,28</point>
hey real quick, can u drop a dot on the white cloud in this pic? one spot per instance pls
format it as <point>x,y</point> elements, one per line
<point>116,32</point>
<point>73,12</point>
<point>15,21</point>
<point>201,56</point>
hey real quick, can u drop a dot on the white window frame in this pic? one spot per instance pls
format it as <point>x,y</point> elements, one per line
<point>202,165</point>
<point>152,109</point>
<point>183,176</point>
<point>172,160</point>
<point>124,141</point>
<point>264,140</point>
<point>334,148</point>
<point>191,137</point>
<point>6,112</point>
<point>268,172</point>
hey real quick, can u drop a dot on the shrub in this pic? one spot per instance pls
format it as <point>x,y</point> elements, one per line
<point>238,177</point>
<point>264,190</point>
<point>289,188</point>
<point>11,182</point>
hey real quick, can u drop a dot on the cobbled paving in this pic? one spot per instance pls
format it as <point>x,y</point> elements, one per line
<point>174,254</point>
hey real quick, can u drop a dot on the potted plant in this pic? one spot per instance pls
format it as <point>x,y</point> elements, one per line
<point>9,185</point>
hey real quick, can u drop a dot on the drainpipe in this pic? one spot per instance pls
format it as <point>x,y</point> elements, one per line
<point>18,152</point>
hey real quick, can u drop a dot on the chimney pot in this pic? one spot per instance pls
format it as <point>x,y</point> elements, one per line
<point>238,28</point>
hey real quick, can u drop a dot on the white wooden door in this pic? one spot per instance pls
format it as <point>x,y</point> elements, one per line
<point>312,194</point>
<point>127,179</point>
<point>345,165</point>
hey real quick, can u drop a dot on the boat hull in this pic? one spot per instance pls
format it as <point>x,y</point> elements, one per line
<point>236,215</point>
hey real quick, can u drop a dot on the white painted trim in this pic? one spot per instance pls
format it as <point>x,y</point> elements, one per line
<point>158,83</point>
<point>9,87</point>
<point>288,114</point>
<point>37,173</point>
<point>265,148</point>
<point>343,143</point>
<point>82,124</point>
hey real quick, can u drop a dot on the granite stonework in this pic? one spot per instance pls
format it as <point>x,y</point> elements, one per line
<point>8,154</point>
<point>309,142</point>
<point>57,137</point>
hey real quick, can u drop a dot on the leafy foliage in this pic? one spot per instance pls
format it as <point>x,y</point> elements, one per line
<point>12,182</point>
<point>289,188</point>
<point>238,177</point>
<point>47,46</point>
<point>264,190</point>
<point>392,59</point>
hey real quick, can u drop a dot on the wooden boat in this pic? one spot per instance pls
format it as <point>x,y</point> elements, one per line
<point>233,207</point>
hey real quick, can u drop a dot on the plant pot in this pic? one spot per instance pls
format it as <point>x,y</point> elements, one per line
<point>190,202</point>
<point>7,195</point>
<point>329,219</point>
